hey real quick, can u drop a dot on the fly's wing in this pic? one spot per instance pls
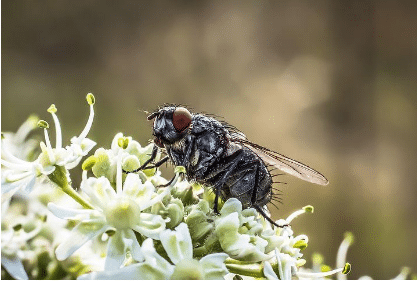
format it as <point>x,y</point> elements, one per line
<point>279,161</point>
<point>284,163</point>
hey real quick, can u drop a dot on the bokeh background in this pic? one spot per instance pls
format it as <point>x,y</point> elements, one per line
<point>329,83</point>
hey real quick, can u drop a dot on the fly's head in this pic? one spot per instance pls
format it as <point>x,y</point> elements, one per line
<point>171,124</point>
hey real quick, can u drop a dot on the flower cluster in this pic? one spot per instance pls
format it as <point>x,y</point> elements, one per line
<point>134,225</point>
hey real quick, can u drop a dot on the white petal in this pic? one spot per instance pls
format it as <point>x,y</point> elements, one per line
<point>154,259</point>
<point>230,206</point>
<point>269,272</point>
<point>87,145</point>
<point>134,248</point>
<point>114,144</point>
<point>142,193</point>
<point>214,267</point>
<point>47,170</point>
<point>99,190</point>
<point>150,225</point>
<point>73,164</point>
<point>177,243</point>
<point>117,247</point>
<point>30,185</point>
<point>237,245</point>
<point>81,234</point>
<point>9,190</point>
<point>14,266</point>
<point>65,212</point>
<point>138,271</point>
<point>115,252</point>
<point>63,156</point>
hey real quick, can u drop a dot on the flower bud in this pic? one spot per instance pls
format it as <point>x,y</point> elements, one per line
<point>175,212</point>
<point>188,269</point>
<point>89,163</point>
<point>123,142</point>
<point>301,244</point>
<point>130,163</point>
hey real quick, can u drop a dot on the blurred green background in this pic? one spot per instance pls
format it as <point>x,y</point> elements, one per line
<point>329,83</point>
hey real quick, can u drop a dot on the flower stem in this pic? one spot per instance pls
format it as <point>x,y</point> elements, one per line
<point>57,272</point>
<point>246,269</point>
<point>72,193</point>
<point>60,178</point>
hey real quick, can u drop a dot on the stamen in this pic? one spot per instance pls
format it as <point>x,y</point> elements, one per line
<point>17,166</point>
<point>18,176</point>
<point>48,151</point>
<point>319,274</point>
<point>7,155</point>
<point>119,174</point>
<point>305,209</point>
<point>87,128</point>
<point>403,274</point>
<point>26,128</point>
<point>52,109</point>
<point>342,253</point>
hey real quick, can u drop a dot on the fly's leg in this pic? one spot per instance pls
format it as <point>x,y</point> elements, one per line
<point>216,201</point>
<point>167,184</point>
<point>219,184</point>
<point>157,164</point>
<point>153,155</point>
<point>257,207</point>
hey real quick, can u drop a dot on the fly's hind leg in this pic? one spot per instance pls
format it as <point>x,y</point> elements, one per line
<point>256,206</point>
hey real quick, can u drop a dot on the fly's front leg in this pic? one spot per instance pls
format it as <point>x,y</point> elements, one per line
<point>152,158</point>
<point>157,164</point>
<point>188,151</point>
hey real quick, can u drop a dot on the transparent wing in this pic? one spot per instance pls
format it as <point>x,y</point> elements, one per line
<point>284,163</point>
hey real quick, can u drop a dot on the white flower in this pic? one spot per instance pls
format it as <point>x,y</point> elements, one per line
<point>18,144</point>
<point>118,213</point>
<point>21,175</point>
<point>13,246</point>
<point>179,249</point>
<point>132,157</point>
<point>234,236</point>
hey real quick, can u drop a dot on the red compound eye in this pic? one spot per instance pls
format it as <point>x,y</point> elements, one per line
<point>181,119</point>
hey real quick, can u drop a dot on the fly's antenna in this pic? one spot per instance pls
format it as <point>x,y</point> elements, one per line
<point>153,115</point>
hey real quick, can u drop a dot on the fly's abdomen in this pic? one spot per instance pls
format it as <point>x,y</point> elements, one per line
<point>264,190</point>
<point>249,181</point>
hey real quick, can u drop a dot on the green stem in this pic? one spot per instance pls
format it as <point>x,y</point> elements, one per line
<point>72,193</point>
<point>246,269</point>
<point>57,272</point>
<point>60,178</point>
<point>200,251</point>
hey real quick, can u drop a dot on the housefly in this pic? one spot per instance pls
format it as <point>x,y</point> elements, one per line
<point>217,154</point>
